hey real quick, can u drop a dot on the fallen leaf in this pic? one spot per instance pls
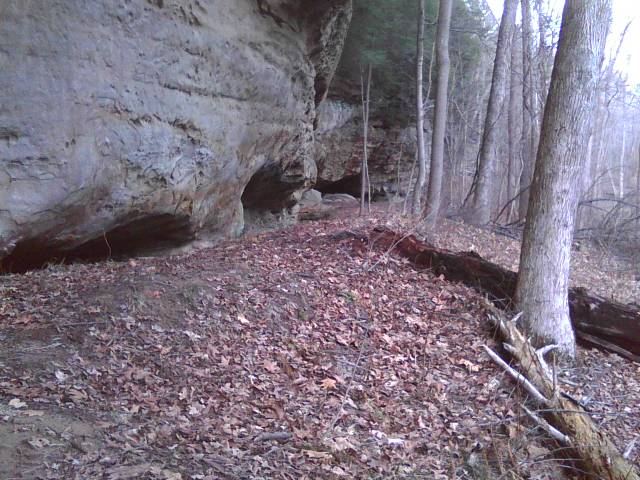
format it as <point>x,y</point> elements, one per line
<point>270,366</point>
<point>77,395</point>
<point>17,403</point>
<point>328,383</point>
<point>470,366</point>
<point>193,336</point>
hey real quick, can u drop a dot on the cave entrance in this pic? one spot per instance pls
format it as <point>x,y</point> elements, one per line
<point>266,191</point>
<point>267,199</point>
<point>147,235</point>
<point>350,185</point>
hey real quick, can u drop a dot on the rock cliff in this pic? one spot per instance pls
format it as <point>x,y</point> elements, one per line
<point>339,150</point>
<point>132,124</point>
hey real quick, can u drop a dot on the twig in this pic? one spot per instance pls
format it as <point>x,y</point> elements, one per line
<point>629,450</point>
<point>277,436</point>
<point>79,324</point>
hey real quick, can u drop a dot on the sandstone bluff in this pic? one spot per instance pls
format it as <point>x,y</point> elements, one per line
<point>129,124</point>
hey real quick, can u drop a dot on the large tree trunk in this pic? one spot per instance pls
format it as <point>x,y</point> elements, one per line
<point>434,190</point>
<point>481,203</point>
<point>422,162</point>
<point>543,279</point>
<point>610,325</point>
<point>528,113</point>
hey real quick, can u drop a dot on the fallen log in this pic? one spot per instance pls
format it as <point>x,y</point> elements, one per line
<point>597,321</point>
<point>564,421</point>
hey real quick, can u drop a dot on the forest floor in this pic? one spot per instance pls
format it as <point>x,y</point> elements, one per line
<point>291,354</point>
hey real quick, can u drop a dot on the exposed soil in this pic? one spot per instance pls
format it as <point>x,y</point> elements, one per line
<point>298,353</point>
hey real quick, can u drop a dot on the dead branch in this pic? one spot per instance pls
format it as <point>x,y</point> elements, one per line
<point>565,421</point>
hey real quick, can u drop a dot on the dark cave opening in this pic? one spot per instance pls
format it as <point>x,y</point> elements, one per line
<point>139,236</point>
<point>349,185</point>
<point>267,190</point>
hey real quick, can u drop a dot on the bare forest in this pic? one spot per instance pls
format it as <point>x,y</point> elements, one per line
<point>319,239</point>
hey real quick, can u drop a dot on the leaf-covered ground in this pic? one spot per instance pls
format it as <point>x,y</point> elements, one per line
<point>293,354</point>
<point>596,268</point>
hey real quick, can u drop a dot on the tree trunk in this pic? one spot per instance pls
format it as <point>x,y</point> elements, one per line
<point>540,76</point>
<point>513,130</point>
<point>638,200</point>
<point>528,113</point>
<point>480,210</point>
<point>434,190</point>
<point>599,139</point>
<point>365,190</point>
<point>543,279</point>
<point>422,162</point>
<point>622,150</point>
<point>581,221</point>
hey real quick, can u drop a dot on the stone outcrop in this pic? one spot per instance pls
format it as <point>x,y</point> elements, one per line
<point>126,125</point>
<point>339,150</point>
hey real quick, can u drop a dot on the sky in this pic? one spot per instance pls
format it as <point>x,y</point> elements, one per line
<point>624,11</point>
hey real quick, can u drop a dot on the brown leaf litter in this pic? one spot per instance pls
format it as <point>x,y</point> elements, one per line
<point>297,354</point>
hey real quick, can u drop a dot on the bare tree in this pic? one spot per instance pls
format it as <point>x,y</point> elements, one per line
<point>434,190</point>
<point>515,153</point>
<point>638,194</point>
<point>422,162</point>
<point>480,210</point>
<point>528,110</point>
<point>623,152</point>
<point>543,280</point>
<point>365,187</point>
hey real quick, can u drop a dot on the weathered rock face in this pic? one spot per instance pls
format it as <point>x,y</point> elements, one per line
<point>339,150</point>
<point>127,124</point>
